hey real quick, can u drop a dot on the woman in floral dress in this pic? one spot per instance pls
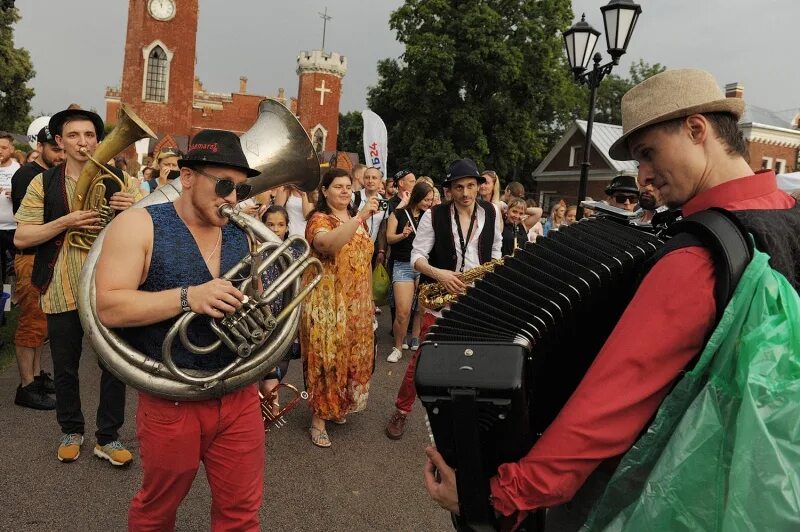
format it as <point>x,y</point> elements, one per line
<point>336,334</point>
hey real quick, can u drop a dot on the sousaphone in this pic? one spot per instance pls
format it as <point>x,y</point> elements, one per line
<point>277,146</point>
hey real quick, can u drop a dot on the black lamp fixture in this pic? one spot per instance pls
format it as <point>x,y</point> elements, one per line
<point>619,18</point>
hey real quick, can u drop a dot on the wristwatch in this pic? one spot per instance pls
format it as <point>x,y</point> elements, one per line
<point>185,299</point>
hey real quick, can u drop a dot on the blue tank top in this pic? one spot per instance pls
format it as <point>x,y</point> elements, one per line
<point>175,262</point>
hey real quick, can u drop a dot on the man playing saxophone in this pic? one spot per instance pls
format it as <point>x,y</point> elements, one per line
<point>44,218</point>
<point>452,238</point>
<point>157,263</point>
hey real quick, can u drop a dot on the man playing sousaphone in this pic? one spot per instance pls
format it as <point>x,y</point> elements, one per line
<point>451,238</point>
<point>45,218</point>
<point>156,264</point>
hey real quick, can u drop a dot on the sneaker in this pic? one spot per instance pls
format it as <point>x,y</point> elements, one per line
<point>406,342</point>
<point>396,426</point>
<point>395,355</point>
<point>31,396</point>
<point>114,452</point>
<point>378,311</point>
<point>414,344</point>
<point>45,382</point>
<point>70,448</point>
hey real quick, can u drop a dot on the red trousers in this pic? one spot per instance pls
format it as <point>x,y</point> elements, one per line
<point>408,392</point>
<point>226,434</point>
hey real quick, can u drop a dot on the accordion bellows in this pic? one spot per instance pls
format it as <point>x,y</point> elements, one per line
<point>524,335</point>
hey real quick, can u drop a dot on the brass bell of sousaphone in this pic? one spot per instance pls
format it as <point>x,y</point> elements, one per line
<point>277,146</point>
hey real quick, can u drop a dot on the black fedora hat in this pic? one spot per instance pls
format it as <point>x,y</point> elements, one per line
<point>460,169</point>
<point>216,147</point>
<point>56,124</point>
<point>622,183</point>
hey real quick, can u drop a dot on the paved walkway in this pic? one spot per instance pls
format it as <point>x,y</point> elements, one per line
<point>365,482</point>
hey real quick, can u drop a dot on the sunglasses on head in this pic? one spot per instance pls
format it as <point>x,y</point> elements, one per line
<point>225,186</point>
<point>621,198</point>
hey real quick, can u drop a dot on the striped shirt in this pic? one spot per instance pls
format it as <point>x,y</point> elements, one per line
<point>61,294</point>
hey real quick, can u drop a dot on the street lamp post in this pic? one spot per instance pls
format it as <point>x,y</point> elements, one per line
<point>619,18</point>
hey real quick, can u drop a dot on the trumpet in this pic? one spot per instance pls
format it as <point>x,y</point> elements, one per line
<point>278,420</point>
<point>435,296</point>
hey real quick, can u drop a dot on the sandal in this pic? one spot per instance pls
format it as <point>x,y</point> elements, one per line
<point>341,421</point>
<point>320,439</point>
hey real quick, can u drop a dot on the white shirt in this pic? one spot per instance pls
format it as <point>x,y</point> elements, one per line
<point>425,239</point>
<point>374,221</point>
<point>297,220</point>
<point>7,222</point>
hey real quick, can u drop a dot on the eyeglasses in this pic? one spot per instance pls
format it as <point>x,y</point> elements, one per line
<point>224,186</point>
<point>622,198</point>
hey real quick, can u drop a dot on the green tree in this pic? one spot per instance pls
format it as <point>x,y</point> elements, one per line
<point>486,80</point>
<point>16,70</point>
<point>351,133</point>
<point>613,88</point>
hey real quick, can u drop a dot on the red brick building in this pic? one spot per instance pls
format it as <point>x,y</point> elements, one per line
<point>159,82</point>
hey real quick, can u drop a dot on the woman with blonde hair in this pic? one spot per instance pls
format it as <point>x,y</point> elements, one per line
<point>557,217</point>
<point>489,190</point>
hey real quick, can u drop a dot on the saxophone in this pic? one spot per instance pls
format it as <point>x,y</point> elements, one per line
<point>435,296</point>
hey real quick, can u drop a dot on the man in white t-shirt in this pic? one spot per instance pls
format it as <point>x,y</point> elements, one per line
<point>372,182</point>
<point>8,166</point>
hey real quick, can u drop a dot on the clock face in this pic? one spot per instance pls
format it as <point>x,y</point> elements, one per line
<point>161,9</point>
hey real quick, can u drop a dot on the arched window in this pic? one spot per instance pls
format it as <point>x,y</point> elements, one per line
<point>318,138</point>
<point>156,81</point>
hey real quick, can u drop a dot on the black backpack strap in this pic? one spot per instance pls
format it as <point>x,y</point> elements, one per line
<point>726,238</point>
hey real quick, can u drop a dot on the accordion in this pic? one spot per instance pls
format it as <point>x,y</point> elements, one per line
<point>497,367</point>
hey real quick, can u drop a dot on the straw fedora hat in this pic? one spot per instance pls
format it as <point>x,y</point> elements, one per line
<point>670,94</point>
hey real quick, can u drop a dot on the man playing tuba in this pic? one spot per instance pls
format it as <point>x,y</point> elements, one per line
<point>44,218</point>
<point>157,263</point>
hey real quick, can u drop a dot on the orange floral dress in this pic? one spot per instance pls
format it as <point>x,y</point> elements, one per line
<point>336,333</point>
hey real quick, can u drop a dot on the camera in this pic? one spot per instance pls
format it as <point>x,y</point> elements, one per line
<point>383,204</point>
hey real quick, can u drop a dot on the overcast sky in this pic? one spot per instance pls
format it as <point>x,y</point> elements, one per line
<point>77,47</point>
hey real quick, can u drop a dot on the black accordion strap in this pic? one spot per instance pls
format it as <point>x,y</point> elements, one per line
<point>725,237</point>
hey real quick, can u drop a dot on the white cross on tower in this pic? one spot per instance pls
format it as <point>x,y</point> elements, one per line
<point>322,90</point>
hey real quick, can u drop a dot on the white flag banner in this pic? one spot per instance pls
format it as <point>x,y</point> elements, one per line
<point>376,149</point>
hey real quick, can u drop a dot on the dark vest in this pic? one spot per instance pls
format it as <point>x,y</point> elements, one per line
<point>775,232</point>
<point>57,205</point>
<point>445,251</point>
<point>176,262</point>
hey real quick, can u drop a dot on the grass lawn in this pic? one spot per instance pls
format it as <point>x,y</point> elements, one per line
<point>7,337</point>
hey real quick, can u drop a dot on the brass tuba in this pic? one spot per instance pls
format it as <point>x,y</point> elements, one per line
<point>90,190</point>
<point>278,146</point>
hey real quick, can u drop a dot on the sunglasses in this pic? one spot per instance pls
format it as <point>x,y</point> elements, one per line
<point>622,198</point>
<point>224,186</point>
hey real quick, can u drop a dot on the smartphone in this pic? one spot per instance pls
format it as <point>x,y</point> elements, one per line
<point>173,174</point>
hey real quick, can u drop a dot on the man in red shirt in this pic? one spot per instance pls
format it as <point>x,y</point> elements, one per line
<point>683,133</point>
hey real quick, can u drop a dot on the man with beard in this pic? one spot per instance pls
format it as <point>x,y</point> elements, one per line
<point>649,203</point>
<point>451,238</point>
<point>156,264</point>
<point>31,331</point>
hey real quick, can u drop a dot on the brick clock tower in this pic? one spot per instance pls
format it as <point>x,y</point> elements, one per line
<point>158,73</point>
<point>318,95</point>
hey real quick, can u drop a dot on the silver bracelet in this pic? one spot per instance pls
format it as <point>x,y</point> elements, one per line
<point>185,299</point>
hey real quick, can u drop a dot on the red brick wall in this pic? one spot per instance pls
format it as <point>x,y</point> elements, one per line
<point>757,150</point>
<point>179,36</point>
<point>568,190</point>
<point>309,110</point>
<point>112,109</point>
<point>238,115</point>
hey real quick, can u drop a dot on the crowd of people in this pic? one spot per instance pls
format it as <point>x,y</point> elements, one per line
<point>161,261</point>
